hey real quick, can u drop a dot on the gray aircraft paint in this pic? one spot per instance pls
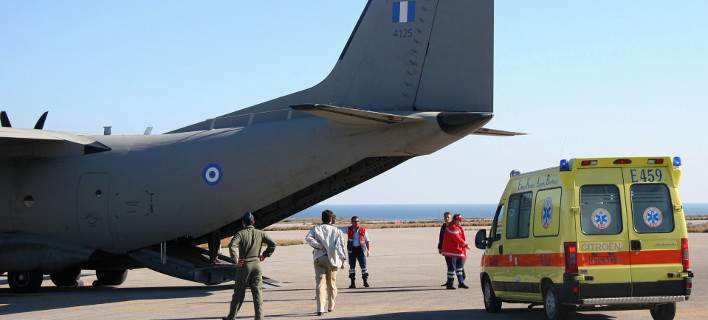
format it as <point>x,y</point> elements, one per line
<point>149,189</point>
<point>440,62</point>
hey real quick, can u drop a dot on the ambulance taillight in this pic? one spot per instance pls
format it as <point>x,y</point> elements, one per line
<point>684,254</point>
<point>571,257</point>
<point>585,163</point>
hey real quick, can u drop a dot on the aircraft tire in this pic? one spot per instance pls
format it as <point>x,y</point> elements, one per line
<point>66,278</point>
<point>111,277</point>
<point>25,281</point>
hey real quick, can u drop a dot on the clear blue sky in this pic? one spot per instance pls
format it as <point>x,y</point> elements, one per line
<point>584,78</point>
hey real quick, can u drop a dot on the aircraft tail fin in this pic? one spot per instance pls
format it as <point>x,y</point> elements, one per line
<point>416,55</point>
<point>430,55</point>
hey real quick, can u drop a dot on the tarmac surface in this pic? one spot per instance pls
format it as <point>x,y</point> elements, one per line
<point>406,273</point>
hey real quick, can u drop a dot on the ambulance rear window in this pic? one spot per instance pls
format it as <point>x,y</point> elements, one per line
<point>651,207</point>
<point>600,210</point>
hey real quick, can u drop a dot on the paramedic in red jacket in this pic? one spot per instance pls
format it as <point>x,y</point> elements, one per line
<point>454,248</point>
<point>358,247</point>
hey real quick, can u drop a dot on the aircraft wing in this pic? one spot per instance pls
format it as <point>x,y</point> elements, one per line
<point>497,133</point>
<point>353,116</point>
<point>34,143</point>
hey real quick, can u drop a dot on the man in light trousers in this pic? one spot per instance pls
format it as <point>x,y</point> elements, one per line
<point>329,254</point>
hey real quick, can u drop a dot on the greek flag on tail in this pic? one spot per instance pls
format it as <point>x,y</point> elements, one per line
<point>403,11</point>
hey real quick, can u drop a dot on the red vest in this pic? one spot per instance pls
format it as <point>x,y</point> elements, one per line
<point>454,242</point>
<point>362,234</point>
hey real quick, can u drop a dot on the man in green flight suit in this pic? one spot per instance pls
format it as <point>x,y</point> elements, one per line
<point>245,249</point>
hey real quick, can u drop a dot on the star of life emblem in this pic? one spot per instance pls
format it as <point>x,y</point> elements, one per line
<point>601,218</point>
<point>653,217</point>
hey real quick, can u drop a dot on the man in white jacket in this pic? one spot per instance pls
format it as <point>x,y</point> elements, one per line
<point>329,254</point>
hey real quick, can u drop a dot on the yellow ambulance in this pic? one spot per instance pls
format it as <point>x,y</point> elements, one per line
<point>595,233</point>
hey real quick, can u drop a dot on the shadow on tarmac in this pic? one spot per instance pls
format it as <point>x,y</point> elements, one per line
<point>48,299</point>
<point>510,314</point>
<point>57,298</point>
<point>506,314</point>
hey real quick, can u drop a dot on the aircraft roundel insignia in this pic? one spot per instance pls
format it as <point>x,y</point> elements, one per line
<point>653,217</point>
<point>212,174</point>
<point>547,214</point>
<point>601,218</point>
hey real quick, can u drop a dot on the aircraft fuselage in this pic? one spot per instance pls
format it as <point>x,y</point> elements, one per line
<point>152,189</point>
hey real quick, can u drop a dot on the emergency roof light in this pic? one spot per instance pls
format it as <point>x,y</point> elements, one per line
<point>564,165</point>
<point>677,161</point>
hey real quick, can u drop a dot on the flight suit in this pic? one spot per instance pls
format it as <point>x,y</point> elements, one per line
<point>246,245</point>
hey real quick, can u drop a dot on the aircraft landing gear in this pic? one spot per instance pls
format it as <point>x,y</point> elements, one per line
<point>25,281</point>
<point>66,278</point>
<point>110,277</point>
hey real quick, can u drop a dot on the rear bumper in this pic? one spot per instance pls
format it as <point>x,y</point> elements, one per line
<point>633,294</point>
<point>631,300</point>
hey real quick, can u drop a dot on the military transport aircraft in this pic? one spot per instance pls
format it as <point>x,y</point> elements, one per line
<point>414,77</point>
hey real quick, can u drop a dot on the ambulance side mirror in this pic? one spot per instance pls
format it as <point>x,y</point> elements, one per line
<point>480,239</point>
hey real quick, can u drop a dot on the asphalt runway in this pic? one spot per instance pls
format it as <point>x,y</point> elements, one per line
<point>406,273</point>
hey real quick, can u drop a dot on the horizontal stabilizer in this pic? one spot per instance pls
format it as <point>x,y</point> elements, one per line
<point>33,143</point>
<point>497,133</point>
<point>353,116</point>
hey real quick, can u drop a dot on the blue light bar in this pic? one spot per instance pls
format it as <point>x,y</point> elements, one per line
<point>565,165</point>
<point>677,161</point>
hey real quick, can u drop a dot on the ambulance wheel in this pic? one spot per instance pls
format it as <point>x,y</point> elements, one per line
<point>66,278</point>
<point>663,311</point>
<point>25,281</point>
<point>552,307</point>
<point>491,303</point>
<point>110,277</point>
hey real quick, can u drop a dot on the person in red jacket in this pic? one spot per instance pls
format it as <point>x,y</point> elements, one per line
<point>454,248</point>
<point>447,219</point>
<point>358,246</point>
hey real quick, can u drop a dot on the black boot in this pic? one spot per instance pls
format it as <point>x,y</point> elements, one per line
<point>352,278</point>
<point>365,276</point>
<point>449,285</point>
<point>461,281</point>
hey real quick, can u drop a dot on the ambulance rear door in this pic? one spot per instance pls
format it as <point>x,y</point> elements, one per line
<point>655,238</point>
<point>602,235</point>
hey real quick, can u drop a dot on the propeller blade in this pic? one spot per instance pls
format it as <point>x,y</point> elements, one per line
<point>4,120</point>
<point>40,123</point>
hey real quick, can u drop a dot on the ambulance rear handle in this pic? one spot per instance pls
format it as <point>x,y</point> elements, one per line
<point>501,249</point>
<point>636,245</point>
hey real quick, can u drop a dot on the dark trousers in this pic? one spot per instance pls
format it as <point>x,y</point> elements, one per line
<point>454,267</point>
<point>357,254</point>
<point>248,276</point>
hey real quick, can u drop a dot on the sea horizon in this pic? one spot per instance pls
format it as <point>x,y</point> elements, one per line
<point>425,211</point>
